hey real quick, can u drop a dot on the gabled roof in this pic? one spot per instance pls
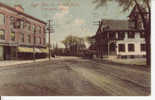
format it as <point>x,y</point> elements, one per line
<point>110,24</point>
<point>134,10</point>
<point>24,14</point>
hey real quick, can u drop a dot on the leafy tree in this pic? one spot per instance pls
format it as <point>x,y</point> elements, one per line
<point>74,44</point>
<point>90,40</point>
<point>127,4</point>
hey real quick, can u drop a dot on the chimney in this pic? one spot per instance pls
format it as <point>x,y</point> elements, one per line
<point>19,8</point>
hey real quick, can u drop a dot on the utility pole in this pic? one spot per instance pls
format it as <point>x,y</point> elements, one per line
<point>49,39</point>
<point>50,30</point>
<point>34,39</point>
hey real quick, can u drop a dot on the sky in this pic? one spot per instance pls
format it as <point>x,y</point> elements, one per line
<point>70,17</point>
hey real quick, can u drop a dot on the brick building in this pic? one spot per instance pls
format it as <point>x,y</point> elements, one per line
<point>20,33</point>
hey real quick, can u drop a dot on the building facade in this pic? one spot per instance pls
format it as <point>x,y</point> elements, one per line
<point>131,45</point>
<point>122,38</point>
<point>20,33</point>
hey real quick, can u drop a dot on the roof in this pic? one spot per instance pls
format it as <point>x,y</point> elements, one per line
<point>134,10</point>
<point>109,24</point>
<point>13,9</point>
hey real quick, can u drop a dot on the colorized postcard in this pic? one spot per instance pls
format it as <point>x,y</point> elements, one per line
<point>75,47</point>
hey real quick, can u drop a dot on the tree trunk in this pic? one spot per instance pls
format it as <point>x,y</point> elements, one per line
<point>147,30</point>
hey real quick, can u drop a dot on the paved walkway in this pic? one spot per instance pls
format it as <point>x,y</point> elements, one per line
<point>16,62</point>
<point>128,61</point>
<point>136,61</point>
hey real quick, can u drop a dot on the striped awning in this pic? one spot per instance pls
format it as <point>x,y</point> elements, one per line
<point>44,50</point>
<point>30,50</point>
<point>25,50</point>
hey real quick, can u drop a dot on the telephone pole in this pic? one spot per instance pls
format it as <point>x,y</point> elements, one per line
<point>50,30</point>
<point>34,39</point>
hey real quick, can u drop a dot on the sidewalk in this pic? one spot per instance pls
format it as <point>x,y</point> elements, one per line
<point>16,62</point>
<point>128,61</point>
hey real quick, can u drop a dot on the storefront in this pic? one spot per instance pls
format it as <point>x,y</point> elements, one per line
<point>1,53</point>
<point>27,52</point>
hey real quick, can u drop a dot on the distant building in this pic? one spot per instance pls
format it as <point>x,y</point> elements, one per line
<point>19,32</point>
<point>121,38</point>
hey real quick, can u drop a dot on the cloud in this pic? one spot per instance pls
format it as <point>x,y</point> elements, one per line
<point>63,10</point>
<point>79,21</point>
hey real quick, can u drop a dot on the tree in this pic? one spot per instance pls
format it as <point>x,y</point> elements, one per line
<point>127,4</point>
<point>74,44</point>
<point>91,40</point>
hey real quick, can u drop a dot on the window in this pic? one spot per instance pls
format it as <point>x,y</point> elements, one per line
<point>121,36</point>
<point>44,30</point>
<point>40,40</point>
<point>39,29</point>
<point>2,19</point>
<point>143,47</point>
<point>17,23</point>
<point>12,22</point>
<point>25,25</point>
<point>22,24</point>
<point>22,37</point>
<point>29,26</point>
<point>2,35</point>
<point>142,35</point>
<point>44,41</point>
<point>131,47</point>
<point>131,35</point>
<point>29,38</point>
<point>121,47</point>
<point>112,35</point>
<point>12,35</point>
<point>33,28</point>
<point>140,24</point>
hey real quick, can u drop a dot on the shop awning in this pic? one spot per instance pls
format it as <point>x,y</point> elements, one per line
<point>44,50</point>
<point>37,50</point>
<point>30,50</point>
<point>25,49</point>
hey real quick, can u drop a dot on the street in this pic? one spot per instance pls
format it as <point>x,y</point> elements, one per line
<point>72,76</point>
